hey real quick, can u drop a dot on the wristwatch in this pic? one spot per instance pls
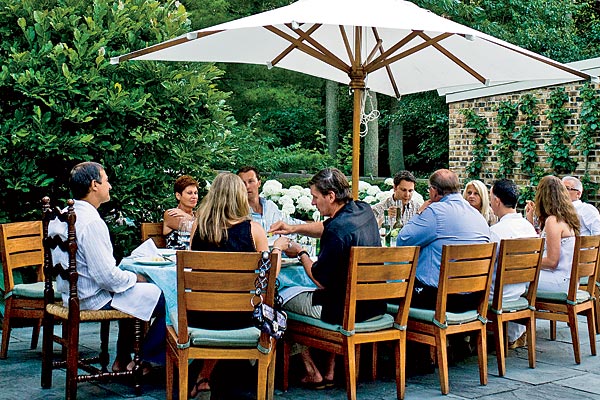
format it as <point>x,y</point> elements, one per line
<point>301,253</point>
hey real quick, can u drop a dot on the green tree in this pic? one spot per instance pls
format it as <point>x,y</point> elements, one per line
<point>63,103</point>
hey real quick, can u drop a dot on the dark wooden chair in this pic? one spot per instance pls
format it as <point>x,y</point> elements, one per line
<point>519,261</point>
<point>465,268</point>
<point>154,231</point>
<point>565,307</point>
<point>21,248</point>
<point>374,273</point>
<point>219,282</point>
<point>71,317</point>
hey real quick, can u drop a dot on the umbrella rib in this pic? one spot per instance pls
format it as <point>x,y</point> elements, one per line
<point>306,36</point>
<point>387,67</point>
<point>381,61</point>
<point>347,44</point>
<point>164,45</point>
<point>395,47</point>
<point>304,48</point>
<point>292,46</point>
<point>455,59</point>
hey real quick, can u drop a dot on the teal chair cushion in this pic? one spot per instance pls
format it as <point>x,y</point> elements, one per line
<point>517,305</point>
<point>32,291</point>
<point>582,296</point>
<point>374,324</point>
<point>392,308</point>
<point>584,281</point>
<point>451,318</point>
<point>246,337</point>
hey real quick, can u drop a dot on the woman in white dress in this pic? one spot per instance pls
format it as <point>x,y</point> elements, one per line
<point>559,224</point>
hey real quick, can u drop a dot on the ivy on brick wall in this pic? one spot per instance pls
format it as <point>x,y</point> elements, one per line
<point>526,133</point>
<point>559,144</point>
<point>507,145</point>
<point>479,126</point>
<point>588,133</point>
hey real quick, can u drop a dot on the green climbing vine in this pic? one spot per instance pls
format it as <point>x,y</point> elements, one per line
<point>479,126</point>
<point>559,145</point>
<point>589,131</point>
<point>527,106</point>
<point>507,145</point>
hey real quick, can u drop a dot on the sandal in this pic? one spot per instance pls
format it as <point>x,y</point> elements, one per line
<point>197,389</point>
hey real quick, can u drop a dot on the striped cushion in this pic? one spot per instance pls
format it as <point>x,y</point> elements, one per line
<point>374,324</point>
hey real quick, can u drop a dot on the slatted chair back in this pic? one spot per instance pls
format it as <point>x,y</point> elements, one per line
<point>519,261</point>
<point>219,282</point>
<point>585,265</point>
<point>21,250</point>
<point>71,316</point>
<point>154,231</point>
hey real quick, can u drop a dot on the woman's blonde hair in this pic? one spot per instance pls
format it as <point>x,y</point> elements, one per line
<point>225,205</point>
<point>486,210</point>
<point>552,198</point>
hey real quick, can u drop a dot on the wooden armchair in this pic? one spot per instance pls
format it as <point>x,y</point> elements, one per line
<point>374,273</point>
<point>21,248</point>
<point>219,282</point>
<point>465,268</point>
<point>560,306</point>
<point>154,231</point>
<point>71,316</point>
<point>519,261</point>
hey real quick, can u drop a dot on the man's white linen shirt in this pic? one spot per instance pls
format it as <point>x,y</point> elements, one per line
<point>511,226</point>
<point>99,276</point>
<point>407,211</point>
<point>589,218</point>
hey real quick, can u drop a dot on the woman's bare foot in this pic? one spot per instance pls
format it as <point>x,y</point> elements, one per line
<point>121,364</point>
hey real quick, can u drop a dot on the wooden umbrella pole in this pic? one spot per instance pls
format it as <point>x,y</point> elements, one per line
<point>358,93</point>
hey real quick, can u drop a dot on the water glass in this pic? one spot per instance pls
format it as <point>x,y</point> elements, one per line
<point>185,231</point>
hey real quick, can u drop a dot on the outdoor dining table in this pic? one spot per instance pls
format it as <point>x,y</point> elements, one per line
<point>292,278</point>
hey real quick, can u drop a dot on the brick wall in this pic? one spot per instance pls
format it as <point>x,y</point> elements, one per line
<point>461,138</point>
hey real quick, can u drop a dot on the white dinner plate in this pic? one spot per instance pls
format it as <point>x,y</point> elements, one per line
<point>167,252</point>
<point>151,261</point>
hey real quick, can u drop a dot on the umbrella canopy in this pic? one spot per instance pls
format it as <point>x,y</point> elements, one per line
<point>389,46</point>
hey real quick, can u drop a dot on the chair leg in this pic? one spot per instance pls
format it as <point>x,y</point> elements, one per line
<point>271,375</point>
<point>498,327</point>
<point>591,330</point>
<point>263,377</point>
<point>482,355</point>
<point>286,364</point>
<point>373,361</point>
<point>442,359</point>
<point>400,350</point>
<point>169,370</point>
<point>530,329</point>
<point>35,334</point>
<point>5,330</point>
<point>552,330</point>
<point>597,308</point>
<point>182,367</point>
<point>574,335</point>
<point>72,359</point>
<point>351,370</point>
<point>47,351</point>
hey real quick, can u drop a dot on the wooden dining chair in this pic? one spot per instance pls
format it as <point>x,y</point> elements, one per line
<point>465,268</point>
<point>219,282</point>
<point>519,261</point>
<point>22,252</point>
<point>374,273</point>
<point>565,307</point>
<point>72,317</point>
<point>154,231</point>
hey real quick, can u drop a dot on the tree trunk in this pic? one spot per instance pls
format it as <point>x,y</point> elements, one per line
<point>332,117</point>
<point>396,140</point>
<point>371,159</point>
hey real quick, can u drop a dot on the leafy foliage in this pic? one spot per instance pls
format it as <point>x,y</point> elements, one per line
<point>559,144</point>
<point>526,133</point>
<point>480,142</point>
<point>507,145</point>
<point>64,103</point>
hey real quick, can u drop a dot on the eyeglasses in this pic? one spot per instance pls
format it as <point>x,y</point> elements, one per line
<point>571,189</point>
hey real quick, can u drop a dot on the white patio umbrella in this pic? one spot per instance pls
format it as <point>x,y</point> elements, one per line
<point>388,46</point>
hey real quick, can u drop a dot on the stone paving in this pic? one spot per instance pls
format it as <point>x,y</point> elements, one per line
<point>556,375</point>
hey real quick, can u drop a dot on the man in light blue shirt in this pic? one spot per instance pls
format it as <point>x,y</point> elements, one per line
<point>446,218</point>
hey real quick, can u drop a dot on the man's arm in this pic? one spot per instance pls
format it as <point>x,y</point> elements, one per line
<point>420,230</point>
<point>312,229</point>
<point>591,218</point>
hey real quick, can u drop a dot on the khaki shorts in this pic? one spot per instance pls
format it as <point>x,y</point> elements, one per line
<point>302,304</point>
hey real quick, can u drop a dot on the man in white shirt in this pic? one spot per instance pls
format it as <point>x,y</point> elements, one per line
<point>589,217</point>
<point>504,195</point>
<point>405,199</point>
<point>99,277</point>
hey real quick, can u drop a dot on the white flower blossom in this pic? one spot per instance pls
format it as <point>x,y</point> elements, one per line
<point>288,208</point>
<point>271,187</point>
<point>373,190</point>
<point>316,216</point>
<point>370,200</point>
<point>285,200</point>
<point>305,203</point>
<point>384,195</point>
<point>389,181</point>
<point>293,193</point>
<point>363,186</point>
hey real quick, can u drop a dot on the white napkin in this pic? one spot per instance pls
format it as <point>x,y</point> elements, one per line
<point>146,249</point>
<point>139,300</point>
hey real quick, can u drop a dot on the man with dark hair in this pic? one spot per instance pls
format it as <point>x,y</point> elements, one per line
<point>100,280</point>
<point>504,196</point>
<point>446,218</point>
<point>350,223</point>
<point>263,211</point>
<point>404,199</point>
